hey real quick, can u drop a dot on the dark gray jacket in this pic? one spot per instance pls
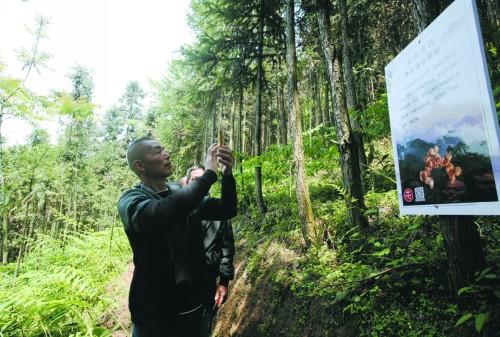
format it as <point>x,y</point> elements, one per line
<point>219,249</point>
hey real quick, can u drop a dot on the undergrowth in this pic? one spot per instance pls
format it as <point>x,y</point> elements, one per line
<point>388,280</point>
<point>61,288</point>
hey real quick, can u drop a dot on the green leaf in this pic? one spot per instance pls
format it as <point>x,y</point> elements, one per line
<point>463,290</point>
<point>490,276</point>
<point>101,332</point>
<point>484,271</point>
<point>463,319</point>
<point>480,320</point>
<point>371,211</point>
<point>339,296</point>
<point>382,252</point>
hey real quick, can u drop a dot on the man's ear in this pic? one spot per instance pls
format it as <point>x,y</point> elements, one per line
<point>139,166</point>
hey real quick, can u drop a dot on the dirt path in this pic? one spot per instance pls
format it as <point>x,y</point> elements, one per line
<point>118,319</point>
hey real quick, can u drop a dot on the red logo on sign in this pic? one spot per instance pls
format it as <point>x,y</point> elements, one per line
<point>408,195</point>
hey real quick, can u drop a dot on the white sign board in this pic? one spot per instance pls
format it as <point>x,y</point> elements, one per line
<point>443,121</point>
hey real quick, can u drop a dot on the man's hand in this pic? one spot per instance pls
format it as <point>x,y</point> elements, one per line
<point>211,159</point>
<point>220,295</point>
<point>226,159</point>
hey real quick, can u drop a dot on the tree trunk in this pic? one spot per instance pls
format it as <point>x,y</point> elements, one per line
<point>312,90</point>
<point>421,14</point>
<point>464,249</point>
<point>244,136</point>
<point>283,117</point>
<point>346,60</point>
<point>347,143</point>
<point>303,198</point>
<point>278,114</point>
<point>205,142</point>
<point>265,129</point>
<point>258,115</point>
<point>352,103</point>
<point>318,100</point>
<point>240,122</point>
<point>232,135</point>
<point>327,109</point>
<point>362,99</point>
<point>5,237</point>
<point>214,118</point>
<point>492,7</point>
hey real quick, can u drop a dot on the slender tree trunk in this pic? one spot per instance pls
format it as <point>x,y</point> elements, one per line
<point>283,116</point>
<point>244,134</point>
<point>258,115</point>
<point>205,142</point>
<point>240,121</point>
<point>362,99</point>
<point>327,109</point>
<point>232,117</point>
<point>44,216</point>
<point>265,129</point>
<point>221,118</point>
<point>21,251</point>
<point>5,237</point>
<point>278,113</point>
<point>214,117</point>
<point>312,90</point>
<point>240,138</point>
<point>303,198</point>
<point>323,92</point>
<point>317,98</point>
<point>352,103</point>
<point>346,142</point>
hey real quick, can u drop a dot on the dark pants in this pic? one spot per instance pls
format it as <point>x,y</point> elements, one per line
<point>189,325</point>
<point>209,309</point>
<point>207,321</point>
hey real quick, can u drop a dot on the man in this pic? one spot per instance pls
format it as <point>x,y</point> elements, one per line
<point>166,238</point>
<point>219,251</point>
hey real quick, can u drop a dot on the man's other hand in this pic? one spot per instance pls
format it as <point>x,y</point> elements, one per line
<point>226,159</point>
<point>220,295</point>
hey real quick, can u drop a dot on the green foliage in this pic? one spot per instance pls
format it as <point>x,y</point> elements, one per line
<point>79,109</point>
<point>374,119</point>
<point>387,281</point>
<point>483,291</point>
<point>61,290</point>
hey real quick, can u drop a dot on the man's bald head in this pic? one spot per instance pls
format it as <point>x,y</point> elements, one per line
<point>136,150</point>
<point>148,159</point>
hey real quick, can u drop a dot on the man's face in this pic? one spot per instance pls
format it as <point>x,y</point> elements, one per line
<point>195,174</point>
<point>156,161</point>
